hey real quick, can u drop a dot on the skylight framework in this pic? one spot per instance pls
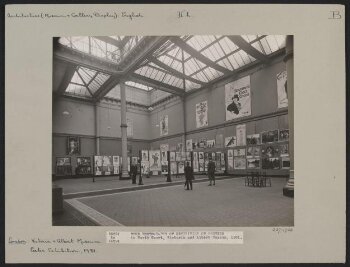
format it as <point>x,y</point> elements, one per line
<point>178,63</point>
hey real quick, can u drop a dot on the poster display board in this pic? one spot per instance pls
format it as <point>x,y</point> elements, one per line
<point>201,161</point>
<point>181,167</point>
<point>195,162</point>
<point>63,166</point>
<point>164,148</point>
<point>154,160</point>
<point>116,165</point>
<point>98,165</point>
<point>172,156</point>
<point>238,99</point>
<point>230,159</point>
<point>241,135</point>
<point>282,93</point>
<point>144,155</point>
<point>83,166</point>
<point>173,167</point>
<point>202,114</point>
<point>107,165</point>
<point>253,151</point>
<point>145,167</point>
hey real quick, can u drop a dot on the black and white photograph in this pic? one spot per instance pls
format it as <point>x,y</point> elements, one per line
<point>144,82</point>
<point>173,133</point>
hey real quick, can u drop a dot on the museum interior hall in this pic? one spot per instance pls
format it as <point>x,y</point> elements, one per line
<point>132,114</point>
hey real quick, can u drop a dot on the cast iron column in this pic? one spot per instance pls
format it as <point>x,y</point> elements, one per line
<point>123,126</point>
<point>97,129</point>
<point>289,60</point>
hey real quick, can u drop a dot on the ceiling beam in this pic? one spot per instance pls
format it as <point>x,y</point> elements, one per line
<point>194,53</point>
<point>174,72</point>
<point>67,77</point>
<point>156,85</point>
<point>107,40</point>
<point>75,57</point>
<point>106,87</point>
<point>248,48</point>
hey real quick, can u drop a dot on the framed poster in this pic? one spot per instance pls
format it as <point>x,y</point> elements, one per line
<point>202,114</point>
<point>73,145</point>
<point>164,168</point>
<point>178,156</point>
<point>164,125</point>
<point>230,159</point>
<point>230,141</point>
<point>116,165</point>
<point>239,152</point>
<point>237,99</point>
<point>188,155</point>
<point>180,147</point>
<point>154,160</point>
<point>253,163</point>
<point>107,165</point>
<point>144,155</point>
<point>285,163</point>
<point>283,135</point>
<point>134,160</point>
<point>239,163</point>
<point>189,146</point>
<point>284,150</point>
<point>241,135</point>
<point>195,162</point>
<point>253,151</point>
<point>181,167</point>
<point>269,136</point>
<point>210,143</point>
<point>253,139</point>
<point>172,156</point>
<point>271,163</point>
<point>270,151</point>
<point>203,143</point>
<point>173,167</point>
<point>98,165</point>
<point>145,167</point>
<point>282,93</point>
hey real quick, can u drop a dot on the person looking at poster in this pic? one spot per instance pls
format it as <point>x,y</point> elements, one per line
<point>189,176</point>
<point>211,172</point>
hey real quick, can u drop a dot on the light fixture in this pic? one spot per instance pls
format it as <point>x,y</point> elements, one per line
<point>150,109</point>
<point>65,113</point>
<point>108,127</point>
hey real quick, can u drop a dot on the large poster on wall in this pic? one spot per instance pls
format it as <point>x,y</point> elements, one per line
<point>241,135</point>
<point>195,162</point>
<point>154,160</point>
<point>282,93</point>
<point>130,127</point>
<point>107,165</point>
<point>98,165</point>
<point>202,114</point>
<point>164,125</point>
<point>237,99</point>
<point>230,159</point>
<point>144,155</point>
<point>230,141</point>
<point>164,148</point>
<point>73,145</point>
<point>189,146</point>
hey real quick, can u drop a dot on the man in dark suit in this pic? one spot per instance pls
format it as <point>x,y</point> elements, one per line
<point>133,173</point>
<point>189,176</point>
<point>211,172</point>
